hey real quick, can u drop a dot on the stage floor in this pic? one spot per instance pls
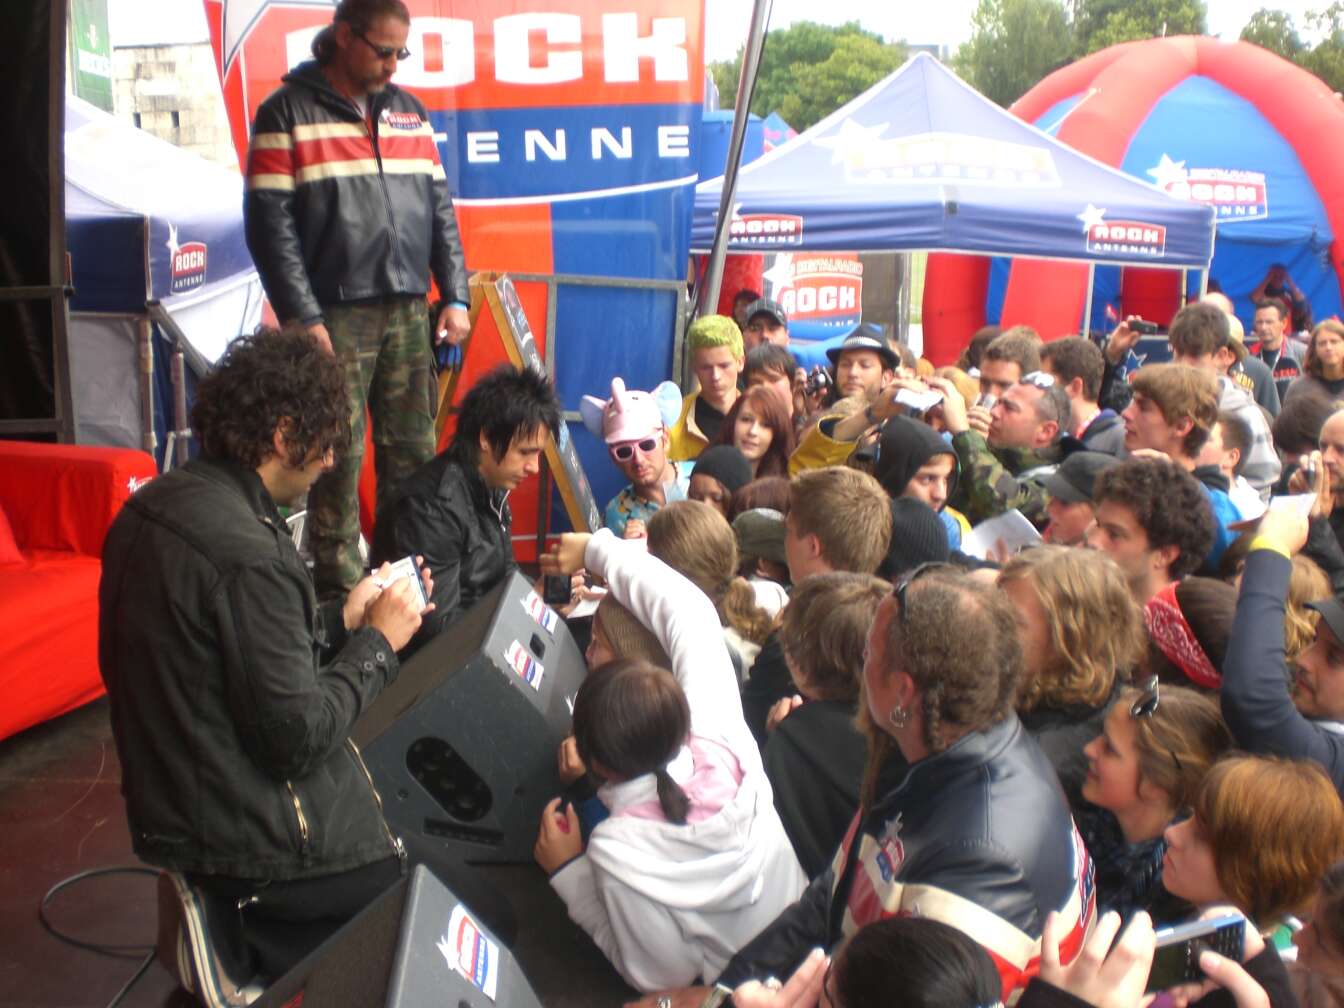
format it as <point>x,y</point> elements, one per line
<point>61,813</point>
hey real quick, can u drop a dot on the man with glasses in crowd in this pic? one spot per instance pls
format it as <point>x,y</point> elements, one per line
<point>1007,450</point>
<point>634,426</point>
<point>347,215</point>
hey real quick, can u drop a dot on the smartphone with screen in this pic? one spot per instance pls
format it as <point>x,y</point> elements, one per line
<point>1176,960</point>
<point>1142,327</point>
<point>555,589</point>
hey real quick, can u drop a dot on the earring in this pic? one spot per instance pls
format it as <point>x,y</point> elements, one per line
<point>899,717</point>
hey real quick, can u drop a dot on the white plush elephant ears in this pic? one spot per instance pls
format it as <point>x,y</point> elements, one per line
<point>591,409</point>
<point>668,398</point>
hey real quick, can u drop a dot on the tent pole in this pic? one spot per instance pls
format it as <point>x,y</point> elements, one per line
<point>1203,283</point>
<point>1087,304</point>
<point>1185,286</point>
<point>746,86</point>
<point>181,423</point>
<point>146,353</point>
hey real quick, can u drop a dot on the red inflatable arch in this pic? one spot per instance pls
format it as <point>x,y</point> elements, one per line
<point>1126,81</point>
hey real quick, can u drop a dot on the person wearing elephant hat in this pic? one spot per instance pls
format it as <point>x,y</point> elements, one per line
<point>634,426</point>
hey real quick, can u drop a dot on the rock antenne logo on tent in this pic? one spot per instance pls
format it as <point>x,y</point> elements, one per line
<point>187,263</point>
<point>1122,237</point>
<point>1234,194</point>
<point>765,228</point>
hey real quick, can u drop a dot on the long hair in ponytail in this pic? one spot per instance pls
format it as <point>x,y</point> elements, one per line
<point>632,718</point>
<point>671,798</point>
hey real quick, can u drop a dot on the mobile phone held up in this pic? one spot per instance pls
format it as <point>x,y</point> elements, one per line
<point>1142,327</point>
<point>407,568</point>
<point>1176,960</point>
<point>555,589</point>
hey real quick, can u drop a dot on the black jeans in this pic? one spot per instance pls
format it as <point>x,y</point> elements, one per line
<point>260,928</point>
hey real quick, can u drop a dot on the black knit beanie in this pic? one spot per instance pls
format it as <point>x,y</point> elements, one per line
<point>726,464</point>
<point>917,536</point>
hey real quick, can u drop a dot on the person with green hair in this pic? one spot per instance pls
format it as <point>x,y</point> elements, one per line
<point>715,344</point>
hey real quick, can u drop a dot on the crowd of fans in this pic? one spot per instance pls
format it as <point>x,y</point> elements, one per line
<point>910,775</point>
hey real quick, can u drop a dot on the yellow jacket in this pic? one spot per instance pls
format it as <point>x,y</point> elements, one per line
<point>817,450</point>
<point>686,439</point>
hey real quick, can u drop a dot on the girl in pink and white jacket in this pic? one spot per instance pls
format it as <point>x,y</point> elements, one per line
<point>693,860</point>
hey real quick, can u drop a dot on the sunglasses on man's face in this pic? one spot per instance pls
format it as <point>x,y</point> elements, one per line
<point>625,452</point>
<point>383,52</point>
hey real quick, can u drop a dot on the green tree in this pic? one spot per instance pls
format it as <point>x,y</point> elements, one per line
<point>1102,23</point>
<point>809,70</point>
<point>1326,58</point>
<point>1014,44</point>
<point>1273,30</point>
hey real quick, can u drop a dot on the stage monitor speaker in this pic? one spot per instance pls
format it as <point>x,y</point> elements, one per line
<point>463,745</point>
<point>416,945</point>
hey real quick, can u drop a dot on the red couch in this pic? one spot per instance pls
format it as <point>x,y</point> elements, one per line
<point>58,501</point>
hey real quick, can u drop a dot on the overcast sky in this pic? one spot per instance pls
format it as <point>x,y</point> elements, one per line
<point>947,22</point>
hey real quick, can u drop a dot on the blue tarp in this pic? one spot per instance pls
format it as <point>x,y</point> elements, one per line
<point>921,161</point>
<point>144,220</point>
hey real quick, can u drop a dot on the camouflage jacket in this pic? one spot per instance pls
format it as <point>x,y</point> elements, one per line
<point>997,480</point>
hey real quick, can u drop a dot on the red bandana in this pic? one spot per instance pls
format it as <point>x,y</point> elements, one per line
<point>1169,630</point>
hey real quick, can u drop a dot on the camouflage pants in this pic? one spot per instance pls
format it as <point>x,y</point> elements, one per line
<point>385,351</point>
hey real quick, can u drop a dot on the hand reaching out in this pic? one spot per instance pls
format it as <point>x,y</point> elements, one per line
<point>568,764</point>
<point>1099,974</point>
<point>565,555</point>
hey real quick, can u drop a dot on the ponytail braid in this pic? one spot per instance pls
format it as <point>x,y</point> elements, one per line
<point>671,798</point>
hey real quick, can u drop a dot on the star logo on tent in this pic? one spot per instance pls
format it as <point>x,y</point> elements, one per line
<point>1168,172</point>
<point>240,17</point>
<point>1092,216</point>
<point>780,275</point>
<point>852,142</point>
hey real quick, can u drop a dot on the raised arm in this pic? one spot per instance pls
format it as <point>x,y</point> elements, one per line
<point>1254,697</point>
<point>683,619</point>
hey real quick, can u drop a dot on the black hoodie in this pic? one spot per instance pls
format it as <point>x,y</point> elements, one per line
<point>904,448</point>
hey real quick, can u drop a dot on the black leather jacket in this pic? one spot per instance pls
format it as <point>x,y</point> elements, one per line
<point>334,212</point>
<point>232,694</point>
<point>444,512</point>
<point>978,836</point>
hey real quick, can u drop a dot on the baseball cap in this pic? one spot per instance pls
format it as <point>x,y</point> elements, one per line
<point>1332,611</point>
<point>764,306</point>
<point>866,337</point>
<point>760,533</point>
<point>1076,477</point>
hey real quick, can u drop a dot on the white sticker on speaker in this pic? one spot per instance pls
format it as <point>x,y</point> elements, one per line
<point>527,667</point>
<point>469,952</point>
<point>540,611</point>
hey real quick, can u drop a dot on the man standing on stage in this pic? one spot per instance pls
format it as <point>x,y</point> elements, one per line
<point>347,214</point>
